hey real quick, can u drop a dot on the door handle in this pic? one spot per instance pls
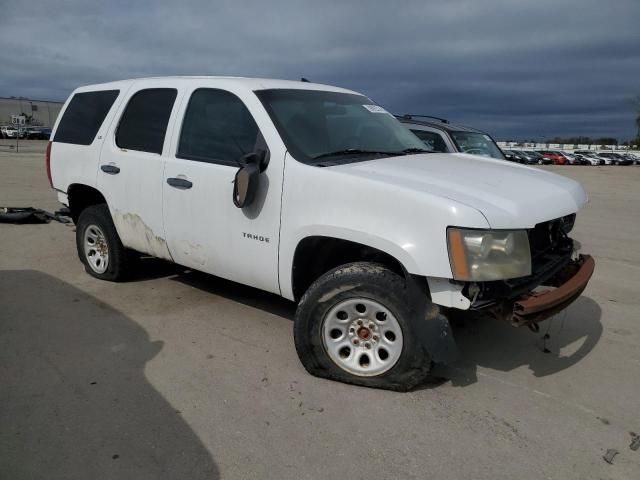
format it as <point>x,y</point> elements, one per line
<point>181,183</point>
<point>110,169</point>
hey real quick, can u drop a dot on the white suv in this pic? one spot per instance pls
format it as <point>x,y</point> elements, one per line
<point>317,194</point>
<point>9,131</point>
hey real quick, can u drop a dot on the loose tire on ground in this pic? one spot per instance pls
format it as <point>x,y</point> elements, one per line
<point>95,222</point>
<point>380,289</point>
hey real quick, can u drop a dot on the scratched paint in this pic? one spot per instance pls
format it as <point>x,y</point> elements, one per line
<point>138,236</point>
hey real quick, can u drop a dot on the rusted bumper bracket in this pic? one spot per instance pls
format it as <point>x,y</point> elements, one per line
<point>536,306</point>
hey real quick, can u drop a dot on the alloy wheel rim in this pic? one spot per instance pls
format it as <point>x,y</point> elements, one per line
<point>362,337</point>
<point>96,249</point>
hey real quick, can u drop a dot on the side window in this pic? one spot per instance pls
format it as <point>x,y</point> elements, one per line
<point>217,128</point>
<point>433,141</point>
<point>144,122</point>
<point>84,116</point>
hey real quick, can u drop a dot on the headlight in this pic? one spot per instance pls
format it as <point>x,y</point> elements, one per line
<point>485,255</point>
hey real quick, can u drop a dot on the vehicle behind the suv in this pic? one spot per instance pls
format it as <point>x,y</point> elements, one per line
<point>616,158</point>
<point>593,158</point>
<point>524,156</point>
<point>439,135</point>
<point>556,157</point>
<point>38,133</point>
<point>319,195</point>
<point>9,132</point>
<point>538,157</point>
<point>513,156</point>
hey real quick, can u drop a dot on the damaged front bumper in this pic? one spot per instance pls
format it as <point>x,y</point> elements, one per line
<point>537,305</point>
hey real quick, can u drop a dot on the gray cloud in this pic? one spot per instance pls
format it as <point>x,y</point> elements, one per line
<point>520,69</point>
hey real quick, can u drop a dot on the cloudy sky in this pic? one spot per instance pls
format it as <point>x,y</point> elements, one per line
<point>519,69</point>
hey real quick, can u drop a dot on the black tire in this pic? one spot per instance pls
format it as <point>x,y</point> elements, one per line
<point>369,281</point>
<point>120,259</point>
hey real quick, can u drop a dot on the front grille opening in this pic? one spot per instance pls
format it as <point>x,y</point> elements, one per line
<point>551,237</point>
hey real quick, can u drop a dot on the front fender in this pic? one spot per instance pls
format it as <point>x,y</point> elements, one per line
<point>408,224</point>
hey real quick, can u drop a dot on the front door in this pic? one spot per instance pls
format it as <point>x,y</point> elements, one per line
<point>204,229</point>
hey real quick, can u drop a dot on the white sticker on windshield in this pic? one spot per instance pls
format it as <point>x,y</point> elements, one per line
<point>375,108</point>
<point>487,138</point>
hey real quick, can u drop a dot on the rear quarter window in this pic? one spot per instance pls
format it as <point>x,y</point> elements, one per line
<point>84,116</point>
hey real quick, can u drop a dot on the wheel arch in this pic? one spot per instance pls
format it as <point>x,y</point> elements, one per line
<point>314,255</point>
<point>81,196</point>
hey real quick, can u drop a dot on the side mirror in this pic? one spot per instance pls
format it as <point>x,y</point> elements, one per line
<point>245,185</point>
<point>247,178</point>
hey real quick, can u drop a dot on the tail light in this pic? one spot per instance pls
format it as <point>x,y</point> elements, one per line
<point>48,163</point>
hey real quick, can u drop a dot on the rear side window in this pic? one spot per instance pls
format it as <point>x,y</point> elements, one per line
<point>217,128</point>
<point>84,116</point>
<point>144,122</point>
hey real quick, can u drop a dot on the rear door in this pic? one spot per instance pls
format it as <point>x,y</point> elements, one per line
<point>204,229</point>
<point>131,167</point>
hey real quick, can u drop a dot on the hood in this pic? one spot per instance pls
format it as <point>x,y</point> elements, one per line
<point>507,194</point>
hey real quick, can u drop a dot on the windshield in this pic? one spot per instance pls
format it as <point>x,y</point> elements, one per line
<point>316,125</point>
<point>476,144</point>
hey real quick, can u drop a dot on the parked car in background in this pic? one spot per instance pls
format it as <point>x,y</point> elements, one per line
<point>583,161</point>
<point>616,158</point>
<point>556,157</point>
<point>45,133</point>
<point>630,156</point>
<point>573,158</point>
<point>528,158</point>
<point>513,156</point>
<point>39,133</point>
<point>439,135</point>
<point>540,159</point>
<point>593,158</point>
<point>624,160</point>
<point>531,158</point>
<point>9,131</point>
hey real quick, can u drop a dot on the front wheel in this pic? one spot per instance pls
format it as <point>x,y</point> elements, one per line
<point>355,325</point>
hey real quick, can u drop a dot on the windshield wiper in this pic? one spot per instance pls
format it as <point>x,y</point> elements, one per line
<point>354,151</point>
<point>416,150</point>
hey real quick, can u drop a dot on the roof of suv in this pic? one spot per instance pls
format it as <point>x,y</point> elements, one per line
<point>436,122</point>
<point>249,83</point>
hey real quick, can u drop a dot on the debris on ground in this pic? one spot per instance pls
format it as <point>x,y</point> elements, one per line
<point>635,441</point>
<point>30,215</point>
<point>611,453</point>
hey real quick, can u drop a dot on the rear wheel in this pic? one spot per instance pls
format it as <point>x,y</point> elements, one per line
<point>99,246</point>
<point>354,325</point>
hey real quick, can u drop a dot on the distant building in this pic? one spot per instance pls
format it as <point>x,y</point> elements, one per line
<point>29,112</point>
